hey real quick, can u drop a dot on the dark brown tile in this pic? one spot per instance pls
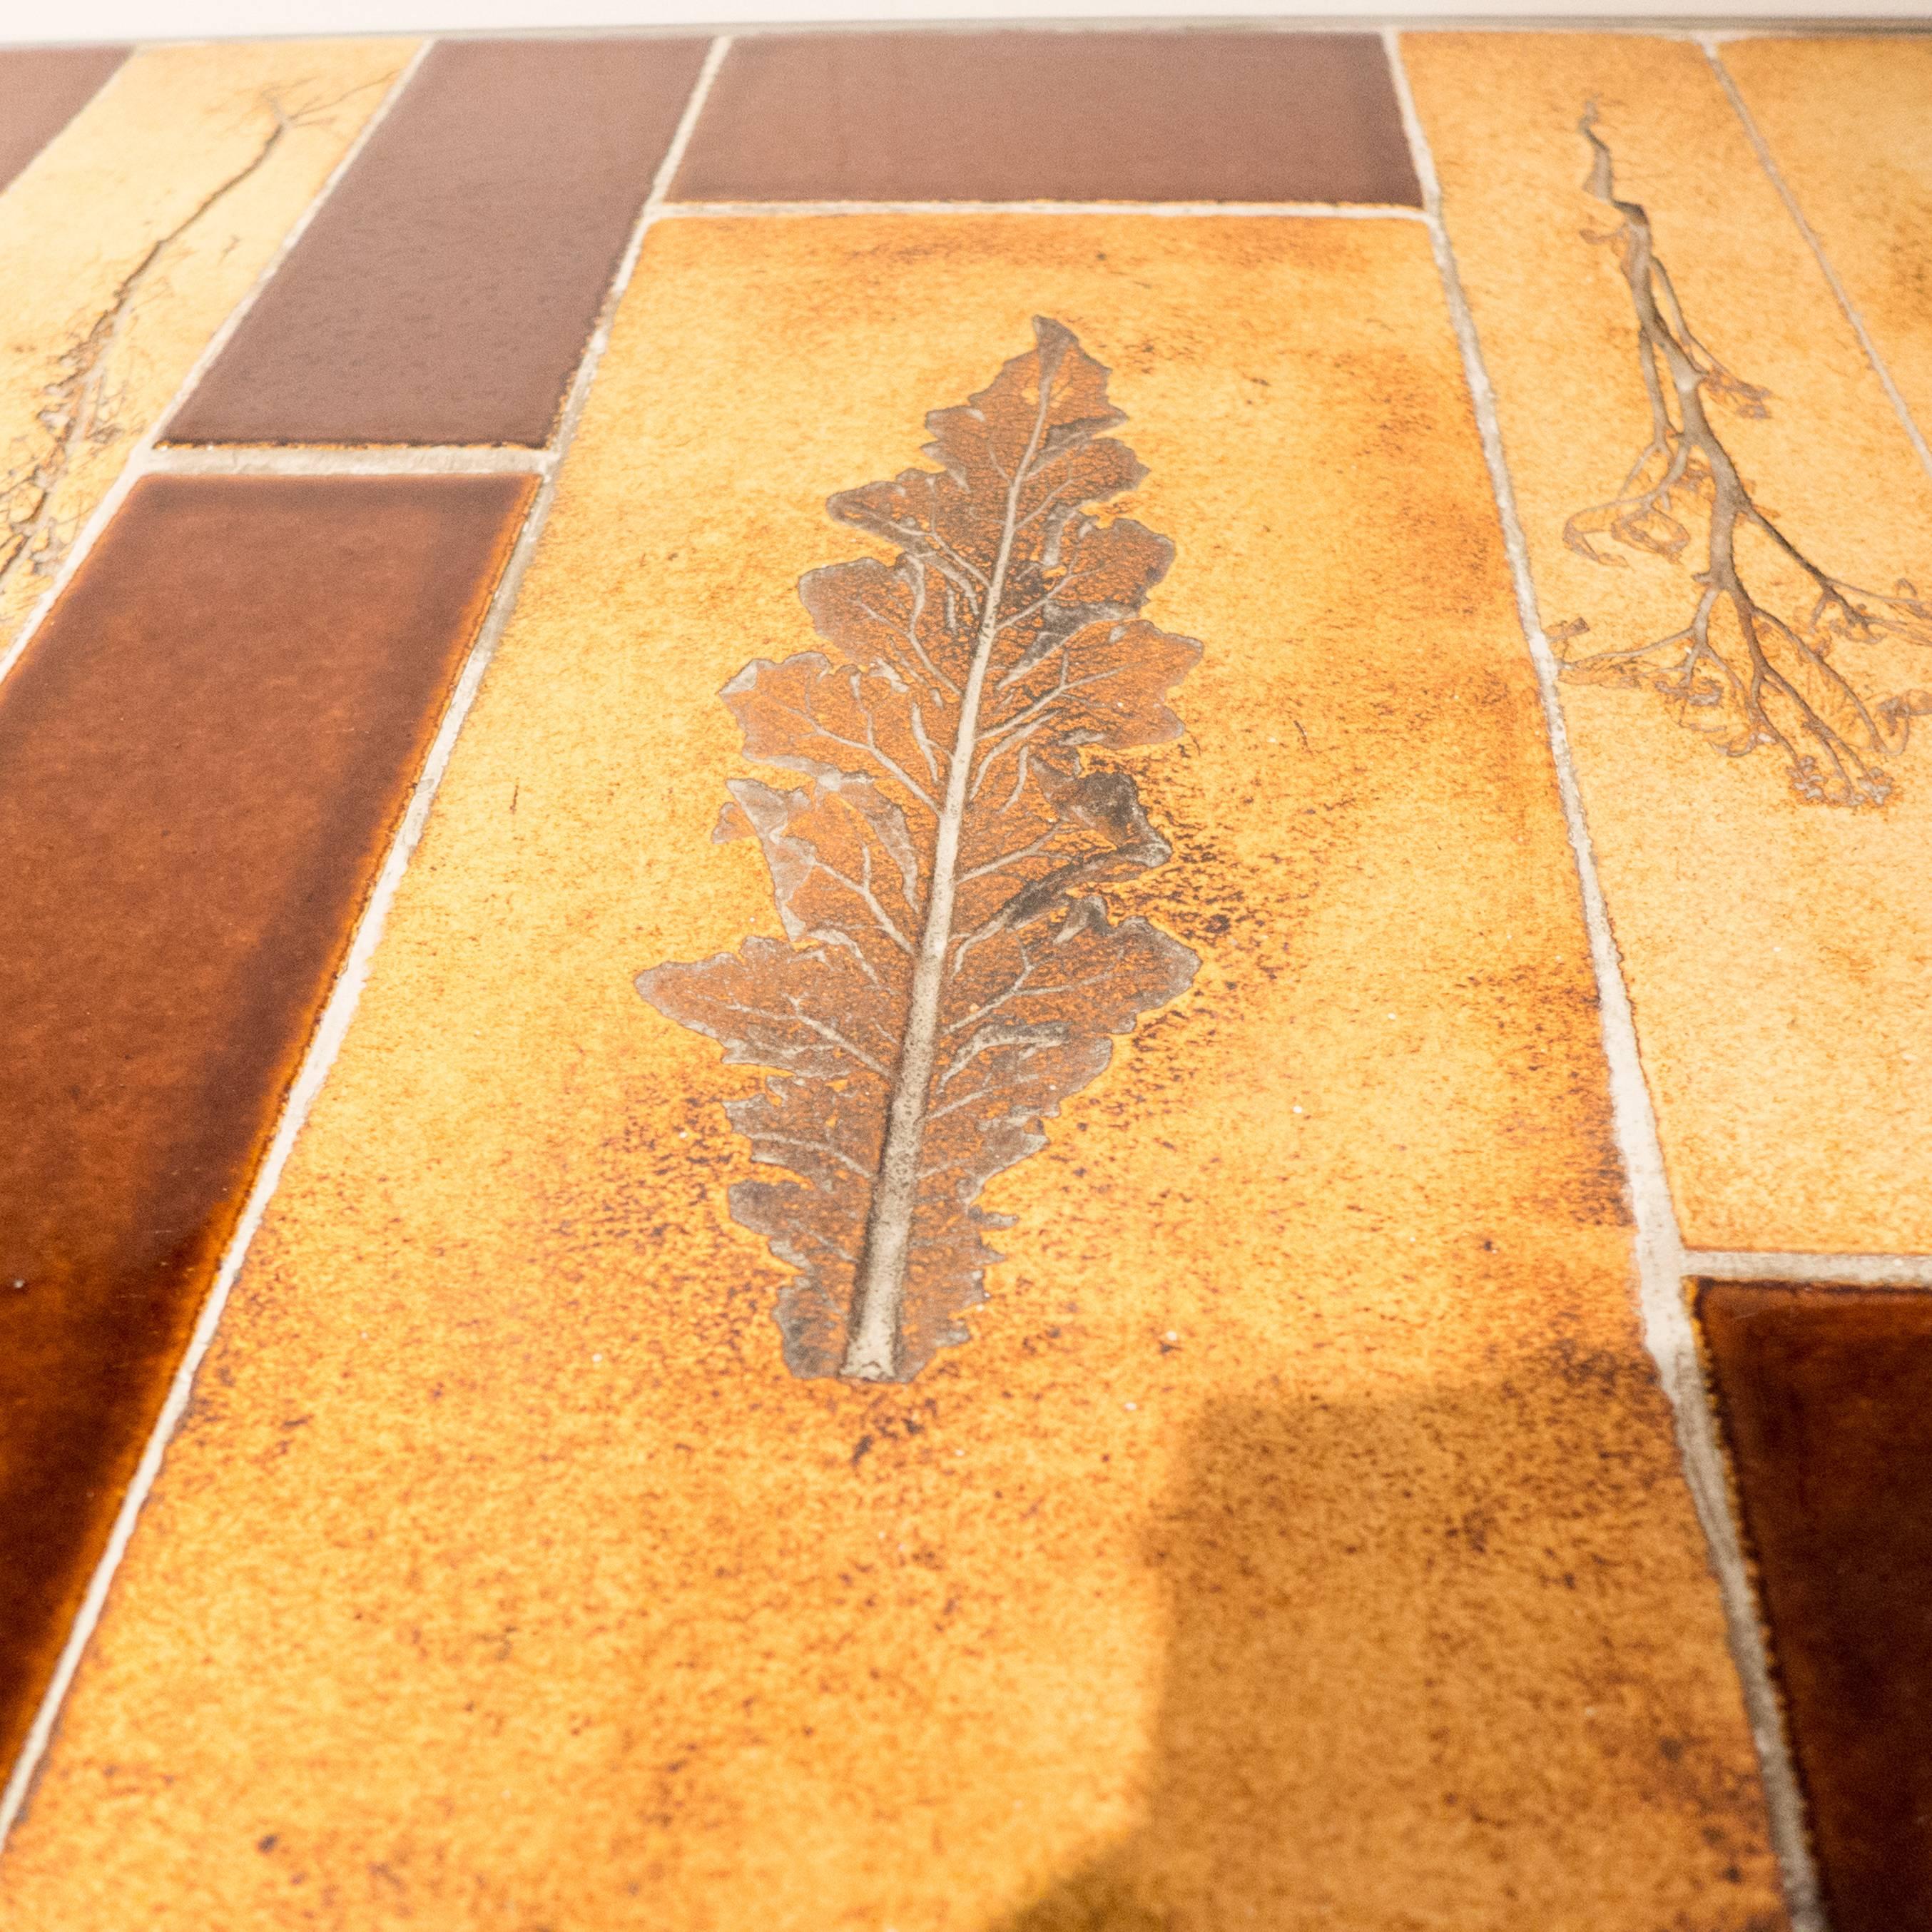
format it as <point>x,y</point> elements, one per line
<point>202,758</point>
<point>1826,1395</point>
<point>41,90</point>
<point>1061,116</point>
<point>446,291</point>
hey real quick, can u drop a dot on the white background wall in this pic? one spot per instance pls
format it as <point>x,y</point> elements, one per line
<point>22,22</point>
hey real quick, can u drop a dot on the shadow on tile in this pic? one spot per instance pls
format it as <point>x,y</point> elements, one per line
<point>1328,1747</point>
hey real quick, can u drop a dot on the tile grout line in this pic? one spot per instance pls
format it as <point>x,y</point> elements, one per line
<point>140,458</point>
<point>1709,43</point>
<point>1304,210</point>
<point>269,459</point>
<point>339,1010</point>
<point>1841,1270</point>
<point>1667,1330</point>
<point>1762,26</point>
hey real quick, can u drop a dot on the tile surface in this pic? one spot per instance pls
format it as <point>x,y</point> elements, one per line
<point>128,245</point>
<point>1778,952</point>
<point>202,757</point>
<point>1826,1395</point>
<point>445,294</point>
<point>1094,1351</point>
<point>1845,121</point>
<point>1301,1530</point>
<point>1064,116</point>
<point>41,90</point>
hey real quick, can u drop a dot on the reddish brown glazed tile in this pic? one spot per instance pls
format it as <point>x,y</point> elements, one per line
<point>1052,116</point>
<point>41,90</point>
<point>202,758</point>
<point>446,291</point>
<point>1826,1398</point>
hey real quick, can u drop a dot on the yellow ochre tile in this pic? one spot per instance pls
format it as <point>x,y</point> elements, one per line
<point>1846,124</point>
<point>1778,949</point>
<point>1298,1537</point>
<point>125,244</point>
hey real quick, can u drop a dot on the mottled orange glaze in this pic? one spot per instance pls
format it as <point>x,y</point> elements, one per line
<point>1301,1536</point>
<point>1778,954</point>
<point>1846,123</point>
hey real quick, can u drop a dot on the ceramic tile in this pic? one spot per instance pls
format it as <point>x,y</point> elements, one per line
<point>1777,945</point>
<point>445,293</point>
<point>1296,1528</point>
<point>1824,1394</point>
<point>202,756</point>
<point>1845,122</point>
<point>1057,116</point>
<point>41,90</point>
<point>128,244</point>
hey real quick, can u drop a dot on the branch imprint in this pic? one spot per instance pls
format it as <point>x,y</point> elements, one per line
<point>1737,672</point>
<point>950,973</point>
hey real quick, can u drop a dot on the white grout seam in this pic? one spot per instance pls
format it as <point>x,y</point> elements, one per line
<point>141,459</point>
<point>1709,43</point>
<point>1299,211</point>
<point>340,1010</point>
<point>312,460</point>
<point>1667,1330</point>
<point>1862,1270</point>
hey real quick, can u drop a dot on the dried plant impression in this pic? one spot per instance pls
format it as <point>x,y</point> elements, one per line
<point>1743,673</point>
<point>949,972</point>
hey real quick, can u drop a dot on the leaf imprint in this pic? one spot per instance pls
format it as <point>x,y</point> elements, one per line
<point>950,973</point>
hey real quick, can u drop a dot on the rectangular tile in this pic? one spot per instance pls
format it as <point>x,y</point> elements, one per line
<point>1777,947</point>
<point>202,756</point>
<point>128,245</point>
<point>444,293</point>
<point>1845,120</point>
<point>1298,1527</point>
<point>1048,115</point>
<point>41,90</point>
<point>1825,1397</point>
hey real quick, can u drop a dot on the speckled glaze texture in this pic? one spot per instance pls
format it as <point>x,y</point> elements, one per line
<point>1844,122</point>
<point>202,758</point>
<point>1302,1536</point>
<point>1778,954</point>
<point>1824,1394</point>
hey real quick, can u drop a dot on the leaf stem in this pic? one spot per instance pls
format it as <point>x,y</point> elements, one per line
<point>872,1344</point>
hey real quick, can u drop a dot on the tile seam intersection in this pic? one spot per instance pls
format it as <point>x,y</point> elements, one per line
<point>139,457</point>
<point>1666,1327</point>
<point>338,1008</point>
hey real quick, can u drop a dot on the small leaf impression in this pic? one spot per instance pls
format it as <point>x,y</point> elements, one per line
<point>950,972</point>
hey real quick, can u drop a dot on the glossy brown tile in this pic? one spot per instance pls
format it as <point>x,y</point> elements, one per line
<point>202,757</point>
<point>1826,1395</point>
<point>41,90</point>
<point>446,291</point>
<point>1059,116</point>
